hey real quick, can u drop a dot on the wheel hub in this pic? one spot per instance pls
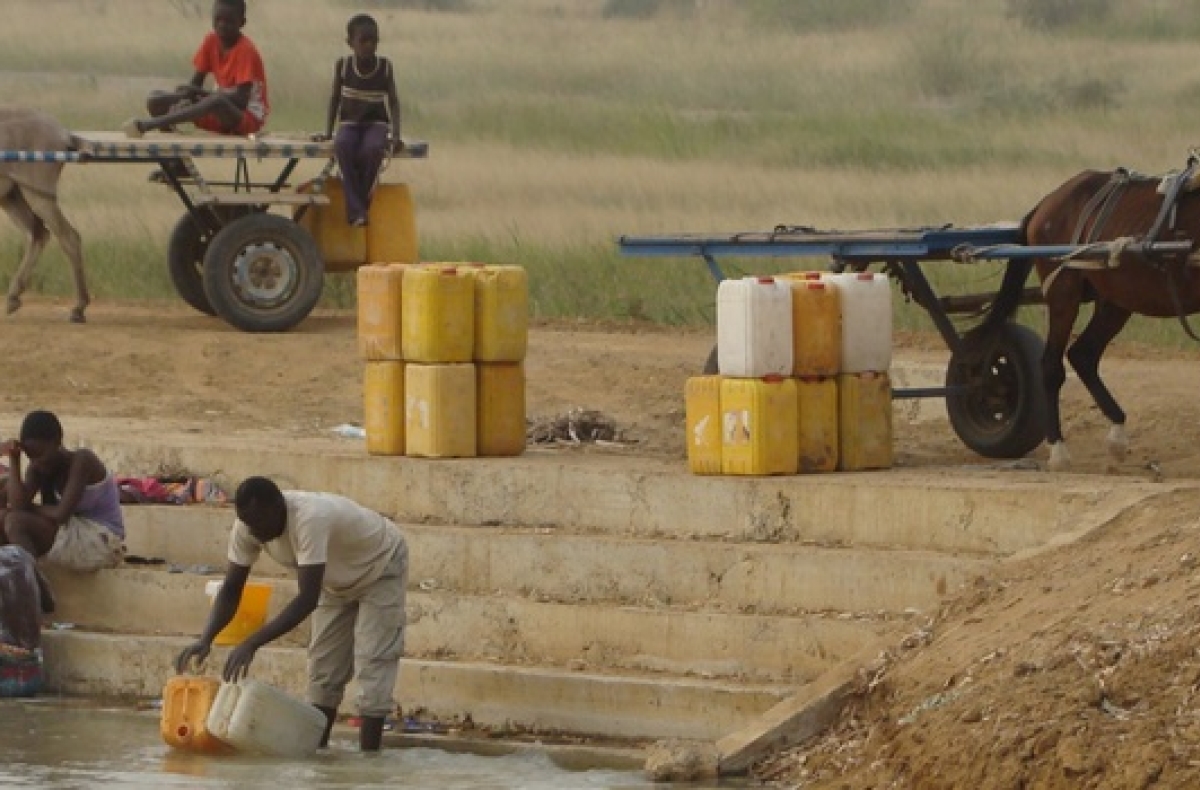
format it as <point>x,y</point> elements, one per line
<point>264,274</point>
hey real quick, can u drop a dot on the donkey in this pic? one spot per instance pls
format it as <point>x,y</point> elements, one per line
<point>29,195</point>
<point>1126,211</point>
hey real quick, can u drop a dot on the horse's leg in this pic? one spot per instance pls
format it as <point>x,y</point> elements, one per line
<point>47,209</point>
<point>1107,322</point>
<point>1062,308</point>
<point>22,215</point>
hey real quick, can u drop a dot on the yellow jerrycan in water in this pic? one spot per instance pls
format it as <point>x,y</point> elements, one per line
<point>186,702</point>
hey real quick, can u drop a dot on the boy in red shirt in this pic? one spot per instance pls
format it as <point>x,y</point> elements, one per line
<point>238,106</point>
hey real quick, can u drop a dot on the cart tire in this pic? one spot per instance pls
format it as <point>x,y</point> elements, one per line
<point>711,368</point>
<point>263,273</point>
<point>185,255</point>
<point>1000,409</point>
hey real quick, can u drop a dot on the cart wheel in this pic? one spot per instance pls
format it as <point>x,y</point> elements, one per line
<point>1000,411</point>
<point>185,255</point>
<point>263,273</point>
<point>710,365</point>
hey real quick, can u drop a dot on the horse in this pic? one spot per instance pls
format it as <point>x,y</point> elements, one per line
<point>1109,217</point>
<point>29,195</point>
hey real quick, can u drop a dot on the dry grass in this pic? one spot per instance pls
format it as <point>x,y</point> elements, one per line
<point>553,129</point>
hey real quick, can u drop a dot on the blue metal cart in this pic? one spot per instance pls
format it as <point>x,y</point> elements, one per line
<point>993,390</point>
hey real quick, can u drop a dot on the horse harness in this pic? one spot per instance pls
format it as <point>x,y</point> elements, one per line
<point>1098,211</point>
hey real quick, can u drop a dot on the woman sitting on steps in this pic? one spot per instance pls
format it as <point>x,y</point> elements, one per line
<point>76,522</point>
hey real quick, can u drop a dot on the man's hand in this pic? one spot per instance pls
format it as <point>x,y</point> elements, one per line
<point>238,663</point>
<point>197,652</point>
<point>12,449</point>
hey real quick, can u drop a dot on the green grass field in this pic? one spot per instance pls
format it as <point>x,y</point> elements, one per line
<point>556,126</point>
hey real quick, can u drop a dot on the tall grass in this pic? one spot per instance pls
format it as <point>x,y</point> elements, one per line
<point>558,126</point>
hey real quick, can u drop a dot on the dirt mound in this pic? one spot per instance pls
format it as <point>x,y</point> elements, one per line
<point>1076,668</point>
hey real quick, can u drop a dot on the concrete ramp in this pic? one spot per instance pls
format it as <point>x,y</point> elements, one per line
<point>592,593</point>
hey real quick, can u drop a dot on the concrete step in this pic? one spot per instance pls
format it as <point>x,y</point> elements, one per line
<point>556,565</point>
<point>509,630</point>
<point>533,698</point>
<point>985,511</point>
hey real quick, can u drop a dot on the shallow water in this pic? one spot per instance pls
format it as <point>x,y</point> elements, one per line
<point>45,744</point>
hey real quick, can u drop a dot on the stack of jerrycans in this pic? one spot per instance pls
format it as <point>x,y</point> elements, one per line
<point>187,700</point>
<point>818,345</point>
<point>445,345</point>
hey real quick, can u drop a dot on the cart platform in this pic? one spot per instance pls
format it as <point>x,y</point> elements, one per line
<point>115,146</point>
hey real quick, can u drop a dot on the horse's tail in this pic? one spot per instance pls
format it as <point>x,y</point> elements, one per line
<point>1012,287</point>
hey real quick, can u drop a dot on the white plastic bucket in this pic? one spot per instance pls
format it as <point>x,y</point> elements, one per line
<point>754,327</point>
<point>866,301</point>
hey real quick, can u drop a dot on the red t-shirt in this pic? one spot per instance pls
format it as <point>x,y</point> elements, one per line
<point>241,64</point>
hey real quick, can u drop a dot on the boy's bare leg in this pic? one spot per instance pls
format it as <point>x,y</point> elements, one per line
<point>216,104</point>
<point>159,103</point>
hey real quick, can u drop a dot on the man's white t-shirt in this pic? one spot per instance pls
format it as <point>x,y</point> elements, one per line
<point>354,543</point>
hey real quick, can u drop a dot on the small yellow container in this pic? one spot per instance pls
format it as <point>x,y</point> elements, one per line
<point>250,615</point>
<point>186,702</point>
<point>702,399</point>
<point>759,434</point>
<point>818,415</point>
<point>864,421</point>
<point>383,407</point>
<point>501,314</point>
<point>392,229</point>
<point>816,329</point>
<point>500,430</point>
<point>437,315</point>
<point>343,248</point>
<point>380,298</point>
<point>439,410</point>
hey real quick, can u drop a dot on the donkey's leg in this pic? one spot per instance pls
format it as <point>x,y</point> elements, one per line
<point>1062,308</point>
<point>1107,322</point>
<point>22,215</point>
<point>47,209</point>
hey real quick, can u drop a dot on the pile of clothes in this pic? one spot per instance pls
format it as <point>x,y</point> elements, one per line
<point>171,490</point>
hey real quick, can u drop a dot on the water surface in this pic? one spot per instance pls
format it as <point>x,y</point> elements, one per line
<point>48,744</point>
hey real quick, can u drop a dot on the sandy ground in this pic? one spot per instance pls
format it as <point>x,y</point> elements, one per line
<point>1076,668</point>
<point>169,365</point>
